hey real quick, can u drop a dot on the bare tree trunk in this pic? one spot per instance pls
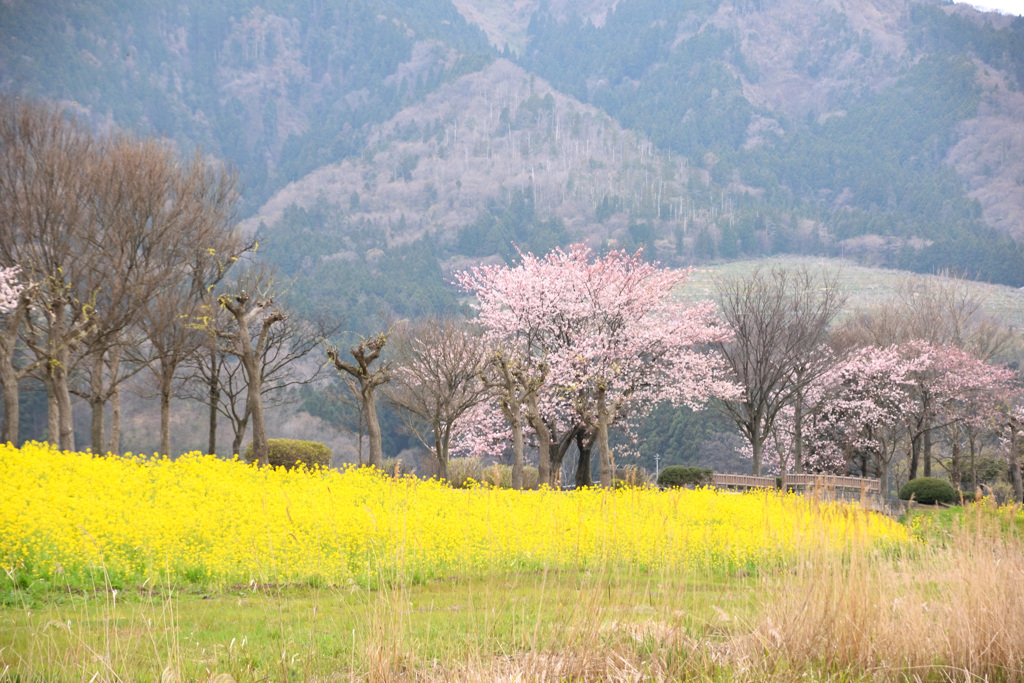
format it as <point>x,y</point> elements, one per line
<point>96,402</point>
<point>440,452</point>
<point>974,461</point>
<point>915,455</point>
<point>9,380</point>
<point>1015,474</point>
<point>757,444</point>
<point>513,413</point>
<point>883,477</point>
<point>254,406</point>
<point>544,469</point>
<point>557,449</point>
<point>928,447</point>
<point>583,467</point>
<point>66,423</point>
<point>165,410</point>
<point>52,408</point>
<point>955,467</point>
<point>214,396</point>
<point>114,439</point>
<point>373,428</point>
<point>606,465</point>
<point>9,376</point>
<point>798,434</point>
<point>240,429</point>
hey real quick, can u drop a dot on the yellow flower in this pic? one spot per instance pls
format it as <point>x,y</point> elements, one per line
<point>200,518</point>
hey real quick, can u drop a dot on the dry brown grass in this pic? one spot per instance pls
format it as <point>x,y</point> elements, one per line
<point>948,610</point>
<point>952,610</point>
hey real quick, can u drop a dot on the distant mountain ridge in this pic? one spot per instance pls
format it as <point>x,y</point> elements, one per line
<point>887,131</point>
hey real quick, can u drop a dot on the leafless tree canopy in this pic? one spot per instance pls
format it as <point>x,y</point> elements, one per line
<point>780,318</point>
<point>47,163</point>
<point>436,380</point>
<point>941,310</point>
<point>111,233</point>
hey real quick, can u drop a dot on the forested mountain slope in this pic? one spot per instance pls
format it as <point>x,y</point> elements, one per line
<point>279,87</point>
<point>369,133</point>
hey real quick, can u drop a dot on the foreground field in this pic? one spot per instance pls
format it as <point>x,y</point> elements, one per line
<point>412,581</point>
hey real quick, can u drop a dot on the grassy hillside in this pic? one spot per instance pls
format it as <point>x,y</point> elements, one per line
<point>867,287</point>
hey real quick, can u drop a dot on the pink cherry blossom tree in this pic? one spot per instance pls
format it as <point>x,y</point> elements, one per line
<point>879,403</point>
<point>10,289</point>
<point>611,335</point>
<point>971,395</point>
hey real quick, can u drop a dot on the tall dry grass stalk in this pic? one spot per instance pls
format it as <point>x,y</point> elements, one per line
<point>951,609</point>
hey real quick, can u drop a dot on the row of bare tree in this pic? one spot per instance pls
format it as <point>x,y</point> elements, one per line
<point>125,248</point>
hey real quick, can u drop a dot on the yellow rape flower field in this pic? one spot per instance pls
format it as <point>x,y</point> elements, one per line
<point>122,568</point>
<point>200,518</point>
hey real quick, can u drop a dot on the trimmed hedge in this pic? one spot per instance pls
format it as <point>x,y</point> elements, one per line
<point>678,475</point>
<point>929,490</point>
<point>289,452</point>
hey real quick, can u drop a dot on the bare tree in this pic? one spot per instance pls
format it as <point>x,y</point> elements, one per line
<point>363,381</point>
<point>948,310</point>
<point>46,228</point>
<point>780,318</point>
<point>178,321</point>
<point>436,380</point>
<point>252,308</point>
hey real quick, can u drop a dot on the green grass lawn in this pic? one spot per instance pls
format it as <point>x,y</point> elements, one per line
<point>314,633</point>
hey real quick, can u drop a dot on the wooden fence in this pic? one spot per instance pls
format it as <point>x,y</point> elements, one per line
<point>801,482</point>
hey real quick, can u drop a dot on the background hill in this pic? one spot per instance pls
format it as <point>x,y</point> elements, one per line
<point>385,143</point>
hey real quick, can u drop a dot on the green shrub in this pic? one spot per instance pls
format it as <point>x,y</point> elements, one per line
<point>679,475</point>
<point>929,490</point>
<point>289,452</point>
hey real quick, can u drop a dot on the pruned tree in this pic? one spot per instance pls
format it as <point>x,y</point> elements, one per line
<point>436,380</point>
<point>252,309</point>
<point>217,376</point>
<point>780,319</point>
<point>363,381</point>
